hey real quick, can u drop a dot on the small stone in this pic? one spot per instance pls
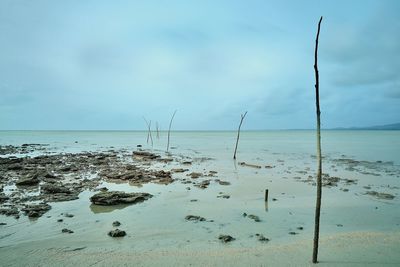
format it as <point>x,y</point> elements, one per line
<point>117,233</point>
<point>226,238</point>
<point>68,215</point>
<point>60,220</point>
<point>194,218</point>
<point>116,223</point>
<point>293,233</point>
<point>3,223</point>
<point>262,238</point>
<point>67,231</point>
<point>254,217</point>
<point>300,228</point>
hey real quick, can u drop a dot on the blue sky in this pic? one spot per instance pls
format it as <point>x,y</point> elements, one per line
<point>106,64</point>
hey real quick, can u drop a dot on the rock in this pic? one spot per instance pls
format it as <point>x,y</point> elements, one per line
<point>300,228</point>
<point>117,233</point>
<point>118,197</point>
<point>195,175</point>
<point>116,224</point>
<point>194,218</point>
<point>226,238</point>
<point>29,180</point>
<point>55,188</point>
<point>3,198</point>
<point>12,211</point>
<point>203,184</point>
<point>3,223</point>
<point>224,182</point>
<point>179,170</point>
<point>68,215</point>
<point>144,155</point>
<point>60,220</point>
<point>262,238</point>
<point>67,231</point>
<point>254,217</point>
<point>293,233</point>
<point>224,196</point>
<point>36,210</point>
<point>378,195</point>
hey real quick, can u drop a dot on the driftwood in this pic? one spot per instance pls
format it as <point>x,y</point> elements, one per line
<point>238,133</point>
<point>169,129</point>
<point>319,157</point>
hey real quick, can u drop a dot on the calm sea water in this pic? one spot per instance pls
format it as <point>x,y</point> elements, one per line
<point>363,145</point>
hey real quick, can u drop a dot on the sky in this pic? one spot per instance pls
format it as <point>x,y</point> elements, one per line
<point>106,65</point>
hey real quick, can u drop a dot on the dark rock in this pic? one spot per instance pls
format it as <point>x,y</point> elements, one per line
<point>67,231</point>
<point>118,197</point>
<point>195,175</point>
<point>55,188</point>
<point>179,170</point>
<point>203,184</point>
<point>226,238</point>
<point>145,155</point>
<point>262,238</point>
<point>3,198</point>
<point>3,223</point>
<point>379,195</point>
<point>300,228</point>
<point>36,210</point>
<point>29,180</point>
<point>60,220</point>
<point>194,218</point>
<point>293,233</point>
<point>223,182</point>
<point>69,215</point>
<point>117,233</point>
<point>116,223</point>
<point>12,211</point>
<point>254,217</point>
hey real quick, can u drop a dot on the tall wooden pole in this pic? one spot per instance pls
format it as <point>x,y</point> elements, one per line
<point>169,129</point>
<point>238,133</point>
<point>319,157</point>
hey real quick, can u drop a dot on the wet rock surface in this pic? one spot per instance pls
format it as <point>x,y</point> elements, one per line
<point>118,197</point>
<point>194,218</point>
<point>117,233</point>
<point>226,238</point>
<point>385,196</point>
<point>62,177</point>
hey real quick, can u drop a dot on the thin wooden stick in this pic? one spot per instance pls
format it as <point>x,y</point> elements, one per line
<point>169,129</point>
<point>238,133</point>
<point>148,131</point>
<point>158,131</point>
<point>319,154</point>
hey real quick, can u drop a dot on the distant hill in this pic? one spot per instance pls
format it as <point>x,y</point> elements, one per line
<point>395,126</point>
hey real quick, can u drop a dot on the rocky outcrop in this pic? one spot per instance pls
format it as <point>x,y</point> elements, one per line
<point>118,197</point>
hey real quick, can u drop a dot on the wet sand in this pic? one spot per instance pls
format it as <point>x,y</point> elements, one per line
<point>196,197</point>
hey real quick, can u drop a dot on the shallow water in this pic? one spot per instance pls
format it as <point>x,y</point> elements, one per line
<point>159,222</point>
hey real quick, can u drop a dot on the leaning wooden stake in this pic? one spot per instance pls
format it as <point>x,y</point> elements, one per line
<point>148,131</point>
<point>238,133</point>
<point>169,129</point>
<point>158,130</point>
<point>319,157</point>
